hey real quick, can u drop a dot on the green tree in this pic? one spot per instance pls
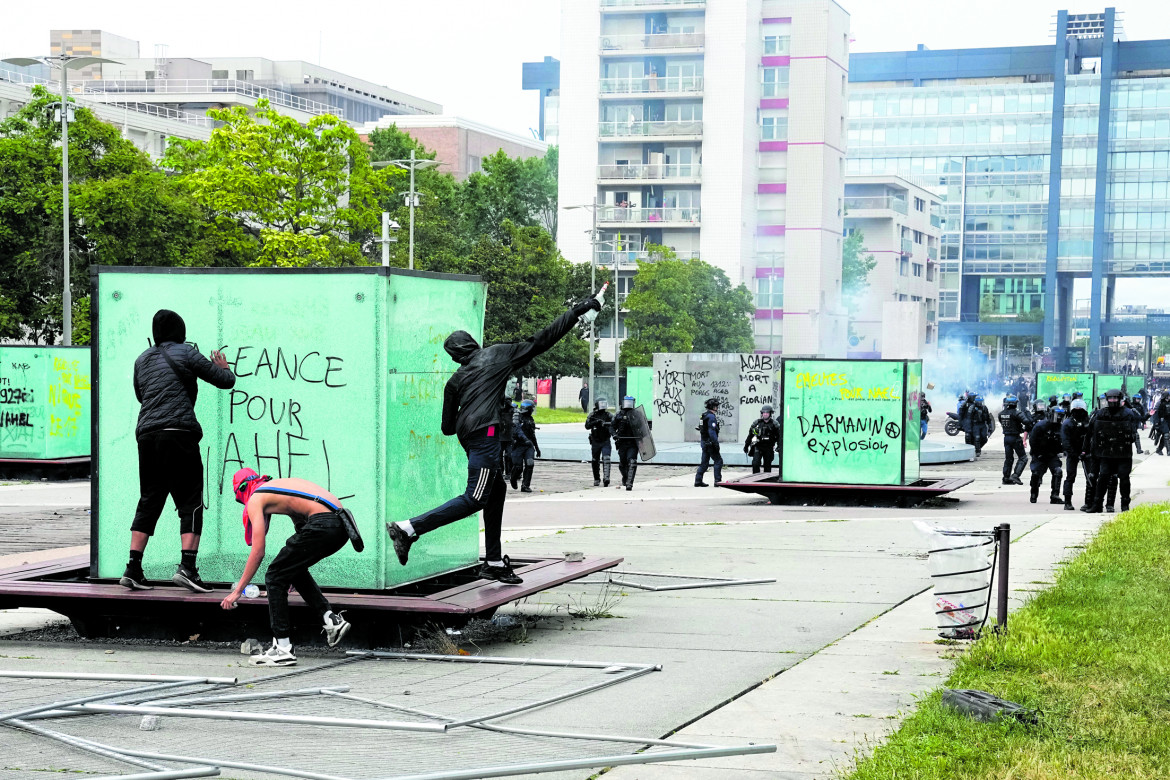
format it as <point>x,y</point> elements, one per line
<point>31,210</point>
<point>302,190</point>
<point>855,266</point>
<point>684,306</point>
<point>440,240</point>
<point>523,192</point>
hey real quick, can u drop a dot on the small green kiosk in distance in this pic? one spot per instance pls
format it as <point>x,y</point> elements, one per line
<point>44,405</point>
<point>1057,384</point>
<point>850,431</point>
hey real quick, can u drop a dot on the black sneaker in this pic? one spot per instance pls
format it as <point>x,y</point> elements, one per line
<point>502,574</point>
<point>1055,500</point>
<point>1006,481</point>
<point>189,579</point>
<point>402,541</point>
<point>1109,508</point>
<point>134,579</point>
<point>597,483</point>
<point>1124,506</point>
<point>605,483</point>
<point>1017,481</point>
<point>525,489</point>
<point>701,484</point>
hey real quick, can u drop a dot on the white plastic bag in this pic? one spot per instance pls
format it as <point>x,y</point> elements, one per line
<point>961,569</point>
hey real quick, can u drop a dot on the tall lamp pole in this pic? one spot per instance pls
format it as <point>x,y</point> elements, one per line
<point>64,62</point>
<point>411,198</point>
<point>593,244</point>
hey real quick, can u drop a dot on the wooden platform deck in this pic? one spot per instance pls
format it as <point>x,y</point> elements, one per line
<point>106,608</point>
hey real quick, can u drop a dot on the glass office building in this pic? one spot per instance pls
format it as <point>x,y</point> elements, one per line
<point>1039,187</point>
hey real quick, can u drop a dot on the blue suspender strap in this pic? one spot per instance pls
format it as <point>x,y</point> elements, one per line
<point>297,493</point>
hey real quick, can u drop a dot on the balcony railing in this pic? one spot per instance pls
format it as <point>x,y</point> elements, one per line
<point>205,86</point>
<point>930,315</point>
<point>663,214</point>
<point>932,252</point>
<point>635,42</point>
<point>876,202</point>
<point>635,128</point>
<point>634,256</point>
<point>936,220</point>
<point>636,3</point>
<point>907,246</point>
<point>643,171</point>
<point>770,217</point>
<point>650,85</point>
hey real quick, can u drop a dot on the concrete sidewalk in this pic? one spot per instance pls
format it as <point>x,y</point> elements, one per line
<point>842,701</point>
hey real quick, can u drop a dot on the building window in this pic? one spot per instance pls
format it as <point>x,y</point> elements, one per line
<point>917,236</point>
<point>245,75</point>
<point>474,164</point>
<point>919,204</point>
<point>774,81</point>
<point>774,128</point>
<point>684,112</point>
<point>948,304</point>
<point>904,267</point>
<point>770,292</point>
<point>776,44</point>
<point>917,269</point>
<point>219,74</point>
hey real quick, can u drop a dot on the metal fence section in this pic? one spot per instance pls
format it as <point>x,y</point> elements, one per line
<point>437,717</point>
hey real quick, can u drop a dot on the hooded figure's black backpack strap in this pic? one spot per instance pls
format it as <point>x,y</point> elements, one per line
<point>186,380</point>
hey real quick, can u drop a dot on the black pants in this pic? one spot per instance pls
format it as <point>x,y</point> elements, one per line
<point>1070,476</point>
<point>316,538</point>
<point>762,455</point>
<point>600,450</point>
<point>486,490</point>
<point>1109,470</point>
<point>978,437</point>
<point>169,465</point>
<point>627,459</point>
<point>711,457</point>
<point>1040,465</point>
<point>1013,450</point>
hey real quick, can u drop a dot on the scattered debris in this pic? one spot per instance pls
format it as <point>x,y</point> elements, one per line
<point>985,707</point>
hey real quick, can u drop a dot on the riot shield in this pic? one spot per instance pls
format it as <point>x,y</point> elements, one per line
<point>646,449</point>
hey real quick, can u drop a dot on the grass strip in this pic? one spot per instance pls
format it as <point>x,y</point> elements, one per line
<point>550,416</point>
<point>1092,655</point>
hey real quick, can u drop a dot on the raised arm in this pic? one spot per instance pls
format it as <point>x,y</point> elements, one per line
<point>216,373</point>
<point>524,352</point>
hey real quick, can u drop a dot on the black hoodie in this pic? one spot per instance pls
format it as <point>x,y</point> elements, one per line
<point>168,397</point>
<point>471,400</point>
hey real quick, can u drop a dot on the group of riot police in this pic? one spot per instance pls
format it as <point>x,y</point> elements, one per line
<point>624,429</point>
<point>1099,444</point>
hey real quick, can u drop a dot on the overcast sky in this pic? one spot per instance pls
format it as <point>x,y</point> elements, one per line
<point>466,54</point>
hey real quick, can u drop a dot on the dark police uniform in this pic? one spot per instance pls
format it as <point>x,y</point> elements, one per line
<point>1014,424</point>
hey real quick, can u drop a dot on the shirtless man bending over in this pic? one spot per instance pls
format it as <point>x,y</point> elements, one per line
<point>322,527</point>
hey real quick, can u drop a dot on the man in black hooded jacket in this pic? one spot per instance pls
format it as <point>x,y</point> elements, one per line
<point>471,411</point>
<point>168,444</point>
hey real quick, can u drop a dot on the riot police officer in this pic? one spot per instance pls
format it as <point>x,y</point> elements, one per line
<point>1072,436</point>
<point>762,439</point>
<point>1046,448</point>
<point>627,434</point>
<point>1015,438</point>
<point>978,424</point>
<point>1160,424</point>
<point>600,427</point>
<point>709,436</point>
<point>525,449</point>
<point>1110,441</point>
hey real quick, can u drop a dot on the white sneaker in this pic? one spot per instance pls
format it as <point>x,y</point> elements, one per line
<point>336,627</point>
<point>276,656</point>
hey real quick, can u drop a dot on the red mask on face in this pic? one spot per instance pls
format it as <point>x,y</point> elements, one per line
<point>244,484</point>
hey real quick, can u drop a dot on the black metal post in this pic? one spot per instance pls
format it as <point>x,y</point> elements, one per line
<point>1004,539</point>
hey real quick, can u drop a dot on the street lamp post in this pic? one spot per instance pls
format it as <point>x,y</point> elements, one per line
<point>593,243</point>
<point>411,198</point>
<point>65,62</point>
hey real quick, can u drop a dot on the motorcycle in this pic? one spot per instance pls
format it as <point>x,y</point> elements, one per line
<point>953,428</point>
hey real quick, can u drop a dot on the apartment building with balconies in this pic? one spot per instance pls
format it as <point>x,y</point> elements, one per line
<point>901,225</point>
<point>675,129</point>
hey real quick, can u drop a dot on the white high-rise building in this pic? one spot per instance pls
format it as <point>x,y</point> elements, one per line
<point>715,127</point>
